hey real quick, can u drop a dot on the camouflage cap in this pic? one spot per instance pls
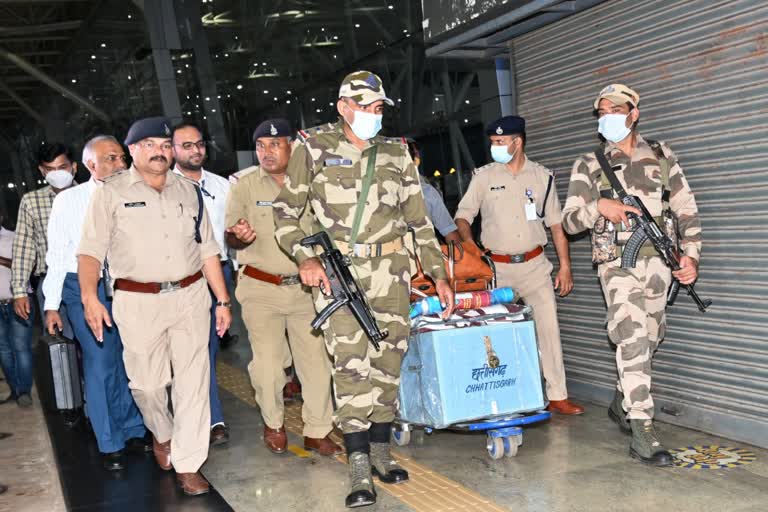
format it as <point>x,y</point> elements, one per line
<point>364,88</point>
<point>618,94</point>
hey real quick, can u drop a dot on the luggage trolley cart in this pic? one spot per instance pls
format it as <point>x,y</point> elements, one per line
<point>477,373</point>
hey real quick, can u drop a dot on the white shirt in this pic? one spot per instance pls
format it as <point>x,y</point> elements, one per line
<point>65,229</point>
<point>6,243</point>
<point>215,192</point>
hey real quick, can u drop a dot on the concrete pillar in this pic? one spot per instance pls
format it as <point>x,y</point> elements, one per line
<point>163,32</point>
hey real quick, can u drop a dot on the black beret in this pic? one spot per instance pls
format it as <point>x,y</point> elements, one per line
<point>508,125</point>
<point>148,127</point>
<point>273,128</point>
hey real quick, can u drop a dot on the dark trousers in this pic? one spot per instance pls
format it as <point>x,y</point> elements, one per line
<point>217,415</point>
<point>16,348</point>
<point>109,403</point>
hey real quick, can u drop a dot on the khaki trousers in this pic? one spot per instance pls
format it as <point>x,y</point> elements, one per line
<point>268,312</point>
<point>165,340</point>
<point>532,281</point>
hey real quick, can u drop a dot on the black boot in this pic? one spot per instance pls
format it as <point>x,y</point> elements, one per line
<point>362,492</point>
<point>645,445</point>
<point>382,463</point>
<point>617,414</point>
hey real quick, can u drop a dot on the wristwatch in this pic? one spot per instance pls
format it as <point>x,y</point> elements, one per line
<point>223,304</point>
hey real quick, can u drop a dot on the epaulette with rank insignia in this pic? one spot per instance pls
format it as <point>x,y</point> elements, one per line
<point>236,176</point>
<point>303,135</point>
<point>113,177</point>
<point>481,169</point>
<point>395,140</point>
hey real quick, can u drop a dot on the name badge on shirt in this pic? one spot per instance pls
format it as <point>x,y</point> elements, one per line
<point>500,187</point>
<point>138,204</point>
<point>530,211</point>
<point>331,162</point>
<point>263,203</point>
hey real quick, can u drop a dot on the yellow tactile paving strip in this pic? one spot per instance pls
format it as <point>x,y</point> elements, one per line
<point>426,491</point>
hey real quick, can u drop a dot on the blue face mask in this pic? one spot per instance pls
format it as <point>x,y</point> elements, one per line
<point>501,154</point>
<point>613,127</point>
<point>366,126</point>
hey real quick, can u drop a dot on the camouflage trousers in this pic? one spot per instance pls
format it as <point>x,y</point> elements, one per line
<point>636,299</point>
<point>366,382</point>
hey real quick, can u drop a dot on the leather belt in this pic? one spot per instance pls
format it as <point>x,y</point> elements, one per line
<point>516,258</point>
<point>127,285</point>
<point>276,279</point>
<point>370,250</point>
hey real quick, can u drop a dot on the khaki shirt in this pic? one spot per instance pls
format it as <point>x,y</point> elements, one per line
<point>251,198</point>
<point>148,236</point>
<point>500,197</point>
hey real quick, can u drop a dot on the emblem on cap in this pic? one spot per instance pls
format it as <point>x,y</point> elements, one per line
<point>499,131</point>
<point>607,89</point>
<point>371,80</point>
<point>272,129</point>
<point>167,129</point>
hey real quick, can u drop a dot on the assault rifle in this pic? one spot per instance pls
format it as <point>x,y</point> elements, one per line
<point>344,289</point>
<point>647,229</point>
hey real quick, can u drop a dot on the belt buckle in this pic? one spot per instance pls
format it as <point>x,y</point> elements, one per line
<point>517,258</point>
<point>290,279</point>
<point>170,286</point>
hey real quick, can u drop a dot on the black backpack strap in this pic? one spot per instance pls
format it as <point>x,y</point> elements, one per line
<point>664,165</point>
<point>199,218</point>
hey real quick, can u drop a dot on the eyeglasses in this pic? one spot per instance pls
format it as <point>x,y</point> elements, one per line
<point>149,145</point>
<point>201,144</point>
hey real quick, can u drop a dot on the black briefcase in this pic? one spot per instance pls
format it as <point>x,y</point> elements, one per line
<point>65,369</point>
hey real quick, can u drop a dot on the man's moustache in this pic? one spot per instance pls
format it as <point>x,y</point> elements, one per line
<point>161,158</point>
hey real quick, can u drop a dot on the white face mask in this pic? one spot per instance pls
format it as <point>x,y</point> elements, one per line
<point>59,179</point>
<point>613,127</point>
<point>366,125</point>
<point>501,154</point>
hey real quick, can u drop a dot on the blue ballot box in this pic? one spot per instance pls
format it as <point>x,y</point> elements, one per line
<point>458,375</point>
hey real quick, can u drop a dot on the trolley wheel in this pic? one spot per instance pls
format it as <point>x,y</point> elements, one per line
<point>511,444</point>
<point>401,437</point>
<point>495,447</point>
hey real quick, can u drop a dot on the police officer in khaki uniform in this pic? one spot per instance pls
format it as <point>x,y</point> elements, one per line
<point>273,299</point>
<point>517,198</point>
<point>152,227</point>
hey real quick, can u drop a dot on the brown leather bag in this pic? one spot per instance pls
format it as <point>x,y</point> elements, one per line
<point>467,267</point>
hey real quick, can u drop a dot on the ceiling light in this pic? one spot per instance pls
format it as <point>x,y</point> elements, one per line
<point>266,91</point>
<point>103,45</point>
<point>189,113</point>
<point>288,102</point>
<point>239,87</point>
<point>466,120</point>
<point>318,110</point>
<point>74,80</point>
<point>287,92</point>
<point>313,99</point>
<point>93,56</point>
<point>207,98</point>
<point>275,98</point>
<point>213,110</point>
<point>466,101</point>
<point>357,25</point>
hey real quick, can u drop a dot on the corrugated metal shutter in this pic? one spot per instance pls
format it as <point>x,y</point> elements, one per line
<point>701,70</point>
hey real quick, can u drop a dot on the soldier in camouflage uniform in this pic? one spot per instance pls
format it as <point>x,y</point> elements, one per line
<point>636,297</point>
<point>326,172</point>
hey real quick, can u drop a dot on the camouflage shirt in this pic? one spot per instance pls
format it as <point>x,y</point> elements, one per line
<point>641,176</point>
<point>327,171</point>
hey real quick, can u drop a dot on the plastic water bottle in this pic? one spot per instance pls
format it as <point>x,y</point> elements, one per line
<point>468,300</point>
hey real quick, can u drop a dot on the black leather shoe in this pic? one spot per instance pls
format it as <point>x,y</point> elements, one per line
<point>138,445</point>
<point>113,461</point>
<point>393,476</point>
<point>360,499</point>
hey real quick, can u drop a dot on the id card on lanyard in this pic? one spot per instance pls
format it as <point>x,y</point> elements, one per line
<point>530,206</point>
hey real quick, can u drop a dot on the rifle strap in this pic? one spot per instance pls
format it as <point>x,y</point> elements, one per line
<point>608,172</point>
<point>367,180</point>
